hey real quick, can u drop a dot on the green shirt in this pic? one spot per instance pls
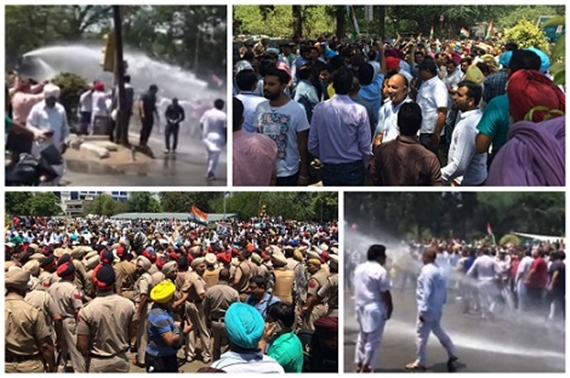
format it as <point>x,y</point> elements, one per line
<point>287,350</point>
<point>496,121</point>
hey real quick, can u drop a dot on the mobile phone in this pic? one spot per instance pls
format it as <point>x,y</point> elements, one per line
<point>49,133</point>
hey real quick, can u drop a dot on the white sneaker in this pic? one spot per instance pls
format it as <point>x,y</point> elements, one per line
<point>166,152</point>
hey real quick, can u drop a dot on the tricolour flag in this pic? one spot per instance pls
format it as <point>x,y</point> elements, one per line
<point>464,33</point>
<point>354,21</point>
<point>431,33</point>
<point>490,32</point>
<point>199,215</point>
<point>489,229</point>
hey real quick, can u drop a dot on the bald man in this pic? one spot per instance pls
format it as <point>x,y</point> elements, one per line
<point>431,296</point>
<point>387,128</point>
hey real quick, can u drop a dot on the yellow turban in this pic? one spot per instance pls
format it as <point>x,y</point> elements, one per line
<point>163,292</point>
<point>316,262</point>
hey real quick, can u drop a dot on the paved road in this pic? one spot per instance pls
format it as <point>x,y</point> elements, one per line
<point>500,346</point>
<point>186,168</point>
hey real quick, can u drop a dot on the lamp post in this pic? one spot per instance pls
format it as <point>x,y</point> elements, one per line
<point>121,126</point>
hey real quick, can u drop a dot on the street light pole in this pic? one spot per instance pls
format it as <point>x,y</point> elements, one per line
<point>121,126</point>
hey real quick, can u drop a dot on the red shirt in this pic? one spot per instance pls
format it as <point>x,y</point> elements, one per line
<point>539,279</point>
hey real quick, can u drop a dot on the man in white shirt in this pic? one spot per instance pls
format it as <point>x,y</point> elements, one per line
<point>432,98</point>
<point>483,273</point>
<point>85,110</point>
<point>387,128</point>
<point>520,279</point>
<point>431,296</point>
<point>246,81</point>
<point>465,166</point>
<point>214,124</point>
<point>49,117</point>
<point>373,302</point>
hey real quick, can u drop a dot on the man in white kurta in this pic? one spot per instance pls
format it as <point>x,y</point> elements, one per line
<point>520,279</point>
<point>50,116</point>
<point>431,296</point>
<point>373,303</point>
<point>484,273</point>
<point>214,124</point>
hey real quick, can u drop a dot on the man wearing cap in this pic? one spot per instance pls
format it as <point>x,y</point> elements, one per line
<point>244,271</point>
<point>68,299</point>
<point>194,292</point>
<point>216,302</point>
<point>496,83</point>
<point>211,274</point>
<point>373,303</point>
<point>126,272</point>
<point>50,117</point>
<point>329,292</point>
<point>106,326</point>
<point>28,342</point>
<point>164,335</point>
<point>431,297</point>
<point>283,278</point>
<point>244,329</point>
<point>313,307</point>
<point>143,286</point>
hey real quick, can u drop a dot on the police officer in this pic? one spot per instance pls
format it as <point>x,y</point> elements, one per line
<point>106,326</point>
<point>329,291</point>
<point>143,286</point>
<point>47,275</point>
<point>211,274</point>
<point>243,274</point>
<point>28,343</point>
<point>126,272</point>
<point>313,308</point>
<point>283,278</point>
<point>68,300</point>
<point>216,302</point>
<point>195,291</point>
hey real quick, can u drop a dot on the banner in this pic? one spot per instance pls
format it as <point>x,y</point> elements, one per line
<point>223,228</point>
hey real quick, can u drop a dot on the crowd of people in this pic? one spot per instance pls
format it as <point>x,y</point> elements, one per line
<point>84,294</point>
<point>36,120</point>
<point>490,281</point>
<point>404,111</point>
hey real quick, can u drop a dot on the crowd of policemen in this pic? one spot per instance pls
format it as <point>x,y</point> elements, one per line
<point>64,312</point>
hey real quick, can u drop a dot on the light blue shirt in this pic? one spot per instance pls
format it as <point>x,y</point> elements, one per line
<point>306,95</point>
<point>388,120</point>
<point>373,92</point>
<point>262,306</point>
<point>340,131</point>
<point>431,292</point>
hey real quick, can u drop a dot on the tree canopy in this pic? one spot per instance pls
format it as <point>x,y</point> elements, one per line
<point>457,215</point>
<point>167,33</point>
<point>28,203</point>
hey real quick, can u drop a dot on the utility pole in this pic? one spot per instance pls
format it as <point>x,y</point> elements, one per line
<point>225,195</point>
<point>121,126</point>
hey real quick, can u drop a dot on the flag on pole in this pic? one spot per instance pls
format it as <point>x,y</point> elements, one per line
<point>464,33</point>
<point>431,33</point>
<point>199,215</point>
<point>489,31</point>
<point>490,232</point>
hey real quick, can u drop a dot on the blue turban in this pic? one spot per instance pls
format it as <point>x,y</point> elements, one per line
<point>244,325</point>
<point>544,60</point>
<point>73,237</point>
<point>505,58</point>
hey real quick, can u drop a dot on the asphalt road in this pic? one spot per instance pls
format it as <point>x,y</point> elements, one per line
<point>187,168</point>
<point>515,345</point>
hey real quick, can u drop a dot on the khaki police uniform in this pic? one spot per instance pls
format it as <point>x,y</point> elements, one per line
<point>24,326</point>
<point>143,286</point>
<point>217,301</point>
<point>316,282</point>
<point>42,301</point>
<point>329,293</point>
<point>47,279</point>
<point>158,277</point>
<point>106,320</point>
<point>211,276</point>
<point>284,281</point>
<point>127,276</point>
<point>68,298</point>
<point>242,274</point>
<point>195,286</point>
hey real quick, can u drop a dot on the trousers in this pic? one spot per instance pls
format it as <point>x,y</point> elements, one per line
<point>424,329</point>
<point>198,319</point>
<point>117,364</point>
<point>367,346</point>
<point>142,336</point>
<point>171,130</point>
<point>221,343</point>
<point>77,359</point>
<point>213,159</point>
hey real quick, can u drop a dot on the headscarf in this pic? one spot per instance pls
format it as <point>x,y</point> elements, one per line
<point>244,325</point>
<point>533,156</point>
<point>505,58</point>
<point>51,91</point>
<point>163,292</point>
<point>544,59</point>
<point>527,89</point>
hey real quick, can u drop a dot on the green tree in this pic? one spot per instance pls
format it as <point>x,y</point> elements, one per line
<point>143,202</point>
<point>181,202</point>
<point>526,34</point>
<point>105,205</point>
<point>45,204</point>
<point>16,203</point>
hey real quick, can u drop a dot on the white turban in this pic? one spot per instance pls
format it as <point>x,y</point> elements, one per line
<point>51,90</point>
